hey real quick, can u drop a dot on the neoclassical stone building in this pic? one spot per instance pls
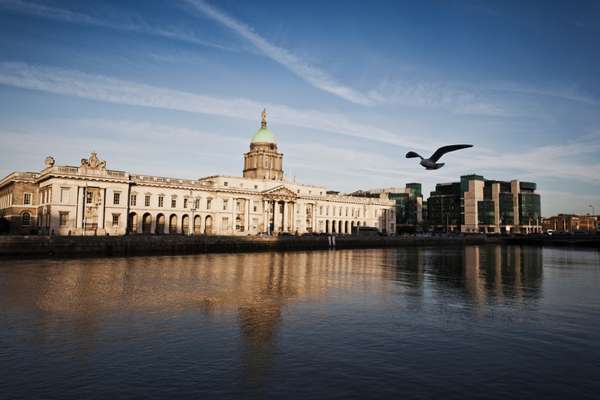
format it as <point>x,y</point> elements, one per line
<point>91,199</point>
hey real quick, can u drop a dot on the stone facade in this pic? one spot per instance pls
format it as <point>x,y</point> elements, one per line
<point>90,199</point>
<point>569,223</point>
<point>18,199</point>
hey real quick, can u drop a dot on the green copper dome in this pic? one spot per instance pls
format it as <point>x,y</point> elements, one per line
<point>263,135</point>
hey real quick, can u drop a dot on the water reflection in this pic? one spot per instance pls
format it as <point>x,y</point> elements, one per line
<point>259,284</point>
<point>80,295</point>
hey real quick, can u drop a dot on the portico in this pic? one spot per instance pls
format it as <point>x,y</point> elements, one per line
<point>280,206</point>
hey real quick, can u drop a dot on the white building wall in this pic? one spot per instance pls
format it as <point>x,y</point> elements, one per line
<point>68,185</point>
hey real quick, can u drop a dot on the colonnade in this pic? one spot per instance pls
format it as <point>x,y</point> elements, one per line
<point>279,216</point>
<point>340,227</point>
<point>175,223</point>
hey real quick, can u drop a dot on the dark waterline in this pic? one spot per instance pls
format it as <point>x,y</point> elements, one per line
<point>491,322</point>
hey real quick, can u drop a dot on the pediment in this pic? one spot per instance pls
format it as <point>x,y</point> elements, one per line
<point>280,191</point>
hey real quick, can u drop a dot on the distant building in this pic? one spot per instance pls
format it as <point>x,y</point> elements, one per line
<point>479,205</point>
<point>90,199</point>
<point>409,205</point>
<point>569,223</point>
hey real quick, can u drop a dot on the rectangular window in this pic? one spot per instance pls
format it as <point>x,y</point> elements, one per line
<point>64,195</point>
<point>225,205</point>
<point>147,200</point>
<point>89,197</point>
<point>225,183</point>
<point>225,223</point>
<point>185,203</point>
<point>208,203</point>
<point>63,218</point>
<point>115,219</point>
<point>197,204</point>
<point>161,201</point>
<point>116,198</point>
<point>132,200</point>
<point>255,207</point>
<point>26,198</point>
<point>173,202</point>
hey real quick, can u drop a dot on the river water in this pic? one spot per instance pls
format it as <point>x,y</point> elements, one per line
<point>491,322</point>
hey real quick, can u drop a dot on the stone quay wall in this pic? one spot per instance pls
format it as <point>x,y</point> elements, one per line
<point>98,246</point>
<point>134,245</point>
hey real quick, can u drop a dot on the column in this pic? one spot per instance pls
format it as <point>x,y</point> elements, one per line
<point>276,216</point>
<point>266,216</point>
<point>80,207</point>
<point>291,216</point>
<point>233,214</point>
<point>286,216</point>
<point>247,215</point>
<point>101,215</point>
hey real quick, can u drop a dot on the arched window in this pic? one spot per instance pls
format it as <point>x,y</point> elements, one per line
<point>25,218</point>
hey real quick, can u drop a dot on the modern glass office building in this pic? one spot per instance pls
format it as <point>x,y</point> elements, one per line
<point>479,205</point>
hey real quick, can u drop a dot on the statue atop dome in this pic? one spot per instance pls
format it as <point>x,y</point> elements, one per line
<point>263,123</point>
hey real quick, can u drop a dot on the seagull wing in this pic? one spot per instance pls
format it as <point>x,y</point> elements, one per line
<point>412,154</point>
<point>447,149</point>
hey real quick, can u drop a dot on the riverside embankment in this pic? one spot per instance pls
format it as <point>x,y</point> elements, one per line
<point>133,245</point>
<point>77,246</point>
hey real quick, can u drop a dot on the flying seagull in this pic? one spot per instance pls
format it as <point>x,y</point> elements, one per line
<point>431,162</point>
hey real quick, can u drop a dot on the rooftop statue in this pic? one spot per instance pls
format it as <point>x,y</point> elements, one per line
<point>93,162</point>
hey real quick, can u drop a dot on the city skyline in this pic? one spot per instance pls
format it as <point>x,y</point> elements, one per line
<point>174,89</point>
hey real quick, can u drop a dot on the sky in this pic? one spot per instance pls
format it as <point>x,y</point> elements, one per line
<point>175,88</point>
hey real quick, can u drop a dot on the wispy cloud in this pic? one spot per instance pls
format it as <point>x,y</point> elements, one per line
<point>96,87</point>
<point>309,73</point>
<point>130,25</point>
<point>142,147</point>
<point>451,97</point>
<point>558,161</point>
<point>564,93</point>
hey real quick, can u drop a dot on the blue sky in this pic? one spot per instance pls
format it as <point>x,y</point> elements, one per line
<point>175,88</point>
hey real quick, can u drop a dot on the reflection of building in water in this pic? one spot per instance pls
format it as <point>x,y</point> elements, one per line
<point>257,287</point>
<point>488,273</point>
<point>502,272</point>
